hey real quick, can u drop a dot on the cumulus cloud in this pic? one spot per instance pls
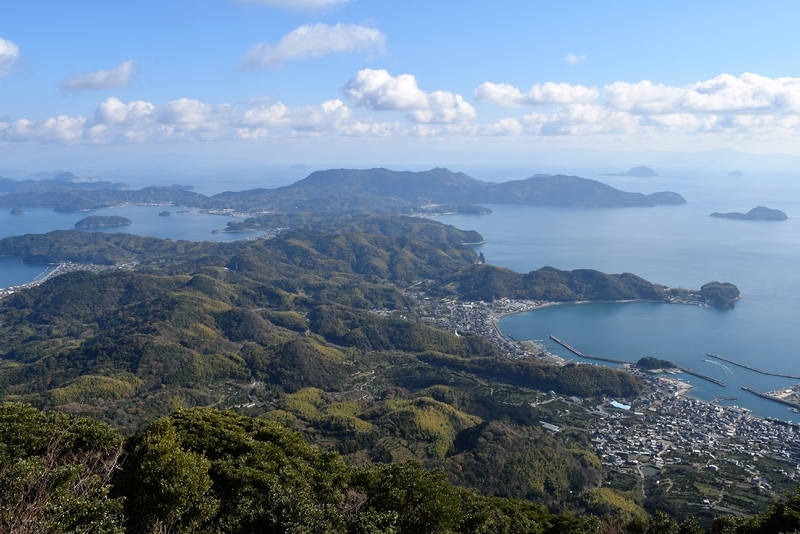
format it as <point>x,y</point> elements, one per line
<point>379,90</point>
<point>9,52</point>
<point>722,94</point>
<point>503,94</point>
<point>116,78</point>
<point>502,127</point>
<point>572,59</point>
<point>191,119</point>
<point>298,4</point>
<point>312,41</point>
<point>725,107</point>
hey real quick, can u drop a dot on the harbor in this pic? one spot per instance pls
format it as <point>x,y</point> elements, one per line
<point>582,355</point>
<point>754,369</point>
<point>772,397</point>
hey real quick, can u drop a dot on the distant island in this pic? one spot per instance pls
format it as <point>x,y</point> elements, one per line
<point>299,167</point>
<point>183,187</point>
<point>735,173</point>
<point>164,214</point>
<point>17,211</point>
<point>101,221</point>
<point>759,213</point>
<point>376,190</point>
<point>636,172</point>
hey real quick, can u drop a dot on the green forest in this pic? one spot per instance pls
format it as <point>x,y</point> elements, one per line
<point>286,385</point>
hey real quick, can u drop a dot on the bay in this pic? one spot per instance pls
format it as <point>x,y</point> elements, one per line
<point>674,246</point>
<point>145,221</point>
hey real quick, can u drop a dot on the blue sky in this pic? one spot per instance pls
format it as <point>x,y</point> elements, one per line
<point>309,79</point>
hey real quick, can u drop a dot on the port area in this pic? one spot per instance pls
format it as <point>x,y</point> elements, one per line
<point>789,396</point>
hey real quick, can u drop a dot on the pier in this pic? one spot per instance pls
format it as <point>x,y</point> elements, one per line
<point>704,377</point>
<point>760,371</point>
<point>582,355</point>
<point>770,397</point>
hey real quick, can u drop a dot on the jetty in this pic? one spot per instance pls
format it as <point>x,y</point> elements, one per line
<point>704,377</point>
<point>581,354</point>
<point>754,369</point>
<point>772,398</point>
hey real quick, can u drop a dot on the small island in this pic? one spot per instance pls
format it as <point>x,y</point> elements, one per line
<point>736,174</point>
<point>101,221</point>
<point>759,213</point>
<point>17,211</point>
<point>164,214</point>
<point>648,363</point>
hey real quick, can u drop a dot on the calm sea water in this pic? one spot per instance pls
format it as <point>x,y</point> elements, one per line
<point>674,246</point>
<point>193,226</point>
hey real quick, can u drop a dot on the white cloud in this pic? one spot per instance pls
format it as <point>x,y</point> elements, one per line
<point>749,92</point>
<point>506,95</point>
<point>501,127</point>
<point>743,108</point>
<point>9,52</point>
<point>312,41</point>
<point>572,59</point>
<point>379,90</point>
<point>298,4</point>
<point>116,78</point>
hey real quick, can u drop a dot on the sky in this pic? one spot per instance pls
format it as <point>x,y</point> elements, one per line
<point>372,81</point>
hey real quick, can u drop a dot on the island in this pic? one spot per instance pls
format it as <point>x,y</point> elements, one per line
<point>164,214</point>
<point>736,174</point>
<point>101,221</point>
<point>17,211</point>
<point>637,172</point>
<point>182,187</point>
<point>649,363</point>
<point>759,213</point>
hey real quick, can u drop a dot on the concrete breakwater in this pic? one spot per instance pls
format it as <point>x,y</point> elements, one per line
<point>582,355</point>
<point>771,397</point>
<point>754,369</point>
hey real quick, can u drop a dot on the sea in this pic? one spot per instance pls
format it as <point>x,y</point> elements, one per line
<point>677,246</point>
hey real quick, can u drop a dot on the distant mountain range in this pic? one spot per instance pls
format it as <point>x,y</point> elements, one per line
<point>377,190</point>
<point>332,188</point>
<point>636,172</point>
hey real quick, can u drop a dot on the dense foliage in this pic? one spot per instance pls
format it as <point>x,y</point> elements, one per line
<point>207,470</point>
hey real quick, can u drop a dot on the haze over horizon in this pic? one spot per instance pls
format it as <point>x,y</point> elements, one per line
<point>358,83</point>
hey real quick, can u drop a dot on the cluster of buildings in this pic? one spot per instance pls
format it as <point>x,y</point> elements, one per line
<point>664,426</point>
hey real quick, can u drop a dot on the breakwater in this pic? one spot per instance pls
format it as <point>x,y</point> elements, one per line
<point>772,398</point>
<point>754,369</point>
<point>582,355</point>
<point>704,377</point>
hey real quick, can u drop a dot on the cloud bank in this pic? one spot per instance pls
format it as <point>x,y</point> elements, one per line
<point>379,90</point>
<point>9,52</point>
<point>116,78</point>
<point>313,41</point>
<point>742,108</point>
<point>505,95</point>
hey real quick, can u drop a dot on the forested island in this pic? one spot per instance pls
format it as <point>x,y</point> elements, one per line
<point>759,213</point>
<point>102,221</point>
<point>376,190</point>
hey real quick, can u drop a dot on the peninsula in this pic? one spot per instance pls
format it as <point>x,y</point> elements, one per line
<point>759,213</point>
<point>101,221</point>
